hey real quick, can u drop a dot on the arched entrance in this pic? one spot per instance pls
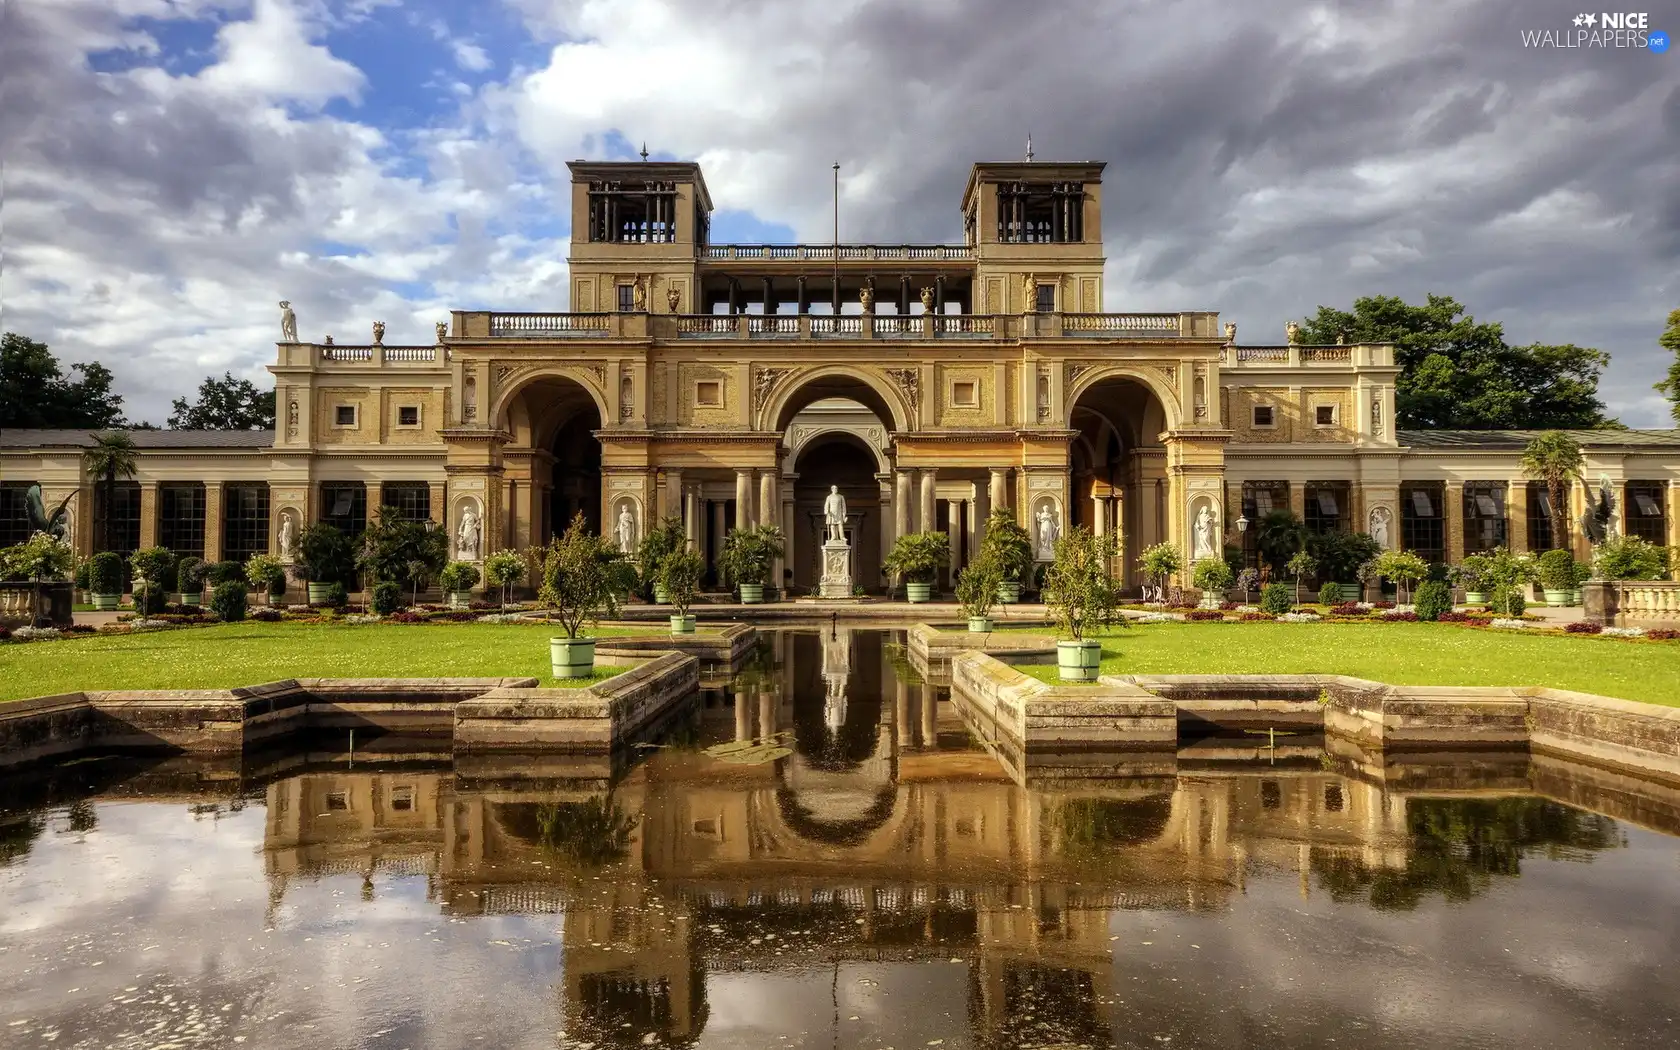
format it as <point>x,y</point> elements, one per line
<point>1119,466</point>
<point>553,461</point>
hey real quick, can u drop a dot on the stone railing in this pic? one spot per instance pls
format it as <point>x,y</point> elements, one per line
<point>540,326</point>
<point>1357,355</point>
<point>17,603</point>
<point>848,252</point>
<point>347,353</point>
<point>1632,603</point>
<point>377,355</point>
<point>1120,324</point>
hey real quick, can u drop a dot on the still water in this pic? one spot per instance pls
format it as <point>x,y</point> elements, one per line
<point>884,884</point>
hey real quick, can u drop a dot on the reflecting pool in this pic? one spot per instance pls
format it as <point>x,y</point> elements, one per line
<point>819,853</point>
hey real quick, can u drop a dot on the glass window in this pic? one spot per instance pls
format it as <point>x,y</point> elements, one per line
<point>1422,528</point>
<point>412,498</point>
<point>345,415</point>
<point>1484,517</point>
<point>244,521</point>
<point>1643,511</point>
<point>181,519</point>
<point>408,416</point>
<point>344,505</point>
<point>1046,299</point>
<point>1326,506</point>
<point>1263,415</point>
<point>14,513</point>
<point>1539,517</point>
<point>1260,498</point>
<point>626,298</point>
<point>1325,415</point>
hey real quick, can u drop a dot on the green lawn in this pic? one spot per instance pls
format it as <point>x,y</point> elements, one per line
<point>1399,653</point>
<point>252,653</point>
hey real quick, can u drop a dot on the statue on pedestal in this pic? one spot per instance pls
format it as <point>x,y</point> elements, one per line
<point>834,515</point>
<point>288,322</point>
<point>1049,531</point>
<point>1205,525</point>
<point>466,541</point>
<point>626,530</point>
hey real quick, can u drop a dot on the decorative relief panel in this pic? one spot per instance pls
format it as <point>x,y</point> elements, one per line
<point>975,385</point>
<point>764,381</point>
<point>909,380</point>
<point>694,380</point>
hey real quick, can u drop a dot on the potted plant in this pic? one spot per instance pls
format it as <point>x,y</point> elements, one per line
<point>1471,574</point>
<point>1082,597</point>
<point>1301,565</point>
<point>41,558</point>
<point>105,580</point>
<point>916,559</point>
<point>1403,567</point>
<point>504,569</point>
<point>748,555</point>
<point>977,590</point>
<point>458,578</point>
<point>1557,576</point>
<point>1583,573</point>
<point>580,582</point>
<point>262,571</point>
<point>153,567</point>
<point>679,577</point>
<point>1009,547</point>
<point>662,539</point>
<point>189,577</point>
<point>1508,579</point>
<point>323,556</point>
<point>1213,578</point>
<point>1158,563</point>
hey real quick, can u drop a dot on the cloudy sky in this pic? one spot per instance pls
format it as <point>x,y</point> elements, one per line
<point>172,168</point>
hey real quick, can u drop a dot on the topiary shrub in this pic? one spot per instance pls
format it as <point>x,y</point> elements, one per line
<point>387,597</point>
<point>337,596</point>
<point>1329,594</point>
<point>1434,597</point>
<point>105,573</point>
<point>189,575</point>
<point>1276,599</point>
<point>227,600</point>
<point>222,572</point>
<point>1557,570</point>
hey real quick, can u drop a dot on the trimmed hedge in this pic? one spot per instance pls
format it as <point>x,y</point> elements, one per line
<point>228,601</point>
<point>1433,598</point>
<point>387,597</point>
<point>1276,599</point>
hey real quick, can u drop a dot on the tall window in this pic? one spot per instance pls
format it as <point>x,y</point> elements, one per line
<point>1484,517</point>
<point>626,298</point>
<point>14,513</point>
<point>1327,506</point>
<point>1422,528</point>
<point>412,498</point>
<point>244,521</point>
<point>1046,299</point>
<point>181,519</point>
<point>1539,517</point>
<point>344,506</point>
<point>633,211</point>
<point>1260,498</point>
<point>1643,511</point>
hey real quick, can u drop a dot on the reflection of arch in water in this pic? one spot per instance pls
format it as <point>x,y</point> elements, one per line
<point>859,735</point>
<point>803,821</point>
<point>1100,823</point>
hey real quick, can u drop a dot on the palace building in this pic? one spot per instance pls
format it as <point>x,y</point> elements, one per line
<point>732,384</point>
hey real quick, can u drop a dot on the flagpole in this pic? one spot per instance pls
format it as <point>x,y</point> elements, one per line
<point>836,238</point>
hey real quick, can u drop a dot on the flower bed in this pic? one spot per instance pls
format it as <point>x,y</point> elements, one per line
<point>1204,615</point>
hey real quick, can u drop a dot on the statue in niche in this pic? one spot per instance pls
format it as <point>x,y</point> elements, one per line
<point>1380,517</point>
<point>467,537</point>
<point>638,294</point>
<point>834,515</point>
<point>286,536</point>
<point>1206,538</point>
<point>1049,531</point>
<point>469,398</point>
<point>288,322</point>
<point>1230,331</point>
<point>626,529</point>
<point>673,299</point>
<point>626,399</point>
<point>1029,293</point>
<point>378,333</point>
<point>1292,332</point>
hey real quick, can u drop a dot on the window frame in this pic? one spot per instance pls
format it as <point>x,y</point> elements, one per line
<point>973,399</point>
<point>1318,409</point>
<point>1650,527</point>
<point>417,417</point>
<point>700,385</point>
<point>1477,495</point>
<point>244,535</point>
<point>1416,528</point>
<point>1254,417</point>
<point>338,416</point>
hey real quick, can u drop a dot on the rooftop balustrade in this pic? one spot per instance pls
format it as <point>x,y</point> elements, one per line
<point>847,252</point>
<point>662,327</point>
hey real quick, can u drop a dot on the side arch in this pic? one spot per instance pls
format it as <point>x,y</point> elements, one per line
<point>519,382</point>
<point>1165,393</point>
<point>794,392</point>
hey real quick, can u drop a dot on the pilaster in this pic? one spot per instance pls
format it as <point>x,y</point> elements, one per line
<point>1516,514</point>
<point>149,516</point>
<point>1453,515</point>
<point>213,504</point>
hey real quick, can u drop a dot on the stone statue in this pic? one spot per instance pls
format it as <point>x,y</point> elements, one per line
<point>55,524</point>
<point>626,529</point>
<point>288,322</point>
<point>1341,338</point>
<point>1379,526</point>
<point>638,295</point>
<point>466,538</point>
<point>834,515</point>
<point>1293,332</point>
<point>378,333</point>
<point>673,299</point>
<point>328,341</point>
<point>1049,531</point>
<point>285,535</point>
<point>927,300</point>
<point>1205,537</point>
<point>442,328</point>
<point>1599,520</point>
<point>1230,331</point>
<point>1029,293</point>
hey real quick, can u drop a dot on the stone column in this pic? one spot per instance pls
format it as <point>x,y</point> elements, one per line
<point>691,517</point>
<point>982,509</point>
<point>954,531</point>
<point>770,514</point>
<point>1516,515</point>
<point>743,715</point>
<point>149,514</point>
<point>925,515</point>
<point>930,716</point>
<point>1452,515</point>
<point>1099,516</point>
<point>999,489</point>
<point>901,712</point>
<point>784,515</point>
<point>902,500</point>
<point>743,497</point>
<point>212,521</point>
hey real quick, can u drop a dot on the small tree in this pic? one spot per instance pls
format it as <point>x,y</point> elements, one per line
<point>152,568</point>
<point>264,571</point>
<point>1158,563</point>
<point>977,586</point>
<point>579,579</point>
<point>1557,570</point>
<point>40,558</point>
<point>663,538</point>
<point>403,550</point>
<point>917,557</point>
<point>105,573</point>
<point>1403,567</point>
<point>227,600</point>
<point>1008,545</point>
<point>1247,580</point>
<point>1078,588</point>
<point>1212,577</point>
<point>1301,565</point>
<point>1554,458</point>
<point>458,576</point>
<point>679,573</point>
<point>504,569</point>
<point>324,554</point>
<point>749,554</point>
<point>1279,535</point>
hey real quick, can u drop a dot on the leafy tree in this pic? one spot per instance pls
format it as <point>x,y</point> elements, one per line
<point>35,392</point>
<point>1280,535</point>
<point>1078,589</point>
<point>111,456</point>
<point>579,578</point>
<point>1300,566</point>
<point>224,404</point>
<point>1456,373</point>
<point>1670,387</point>
<point>1554,458</point>
<point>401,550</point>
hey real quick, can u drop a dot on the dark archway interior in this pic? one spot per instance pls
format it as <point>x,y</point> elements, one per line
<point>842,459</point>
<point>577,473</point>
<point>823,387</point>
<point>559,419</point>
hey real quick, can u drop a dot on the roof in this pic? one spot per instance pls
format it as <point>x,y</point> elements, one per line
<point>13,437</point>
<point>1473,440</point>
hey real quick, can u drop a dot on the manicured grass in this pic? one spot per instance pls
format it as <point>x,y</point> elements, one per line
<point>1398,653</point>
<point>252,653</point>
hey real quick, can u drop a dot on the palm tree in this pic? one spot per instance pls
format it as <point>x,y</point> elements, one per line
<point>111,456</point>
<point>1554,458</point>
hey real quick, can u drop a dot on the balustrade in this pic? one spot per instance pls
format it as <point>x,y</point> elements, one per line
<point>536,325</point>
<point>347,353</point>
<point>848,252</point>
<point>977,325</point>
<point>1152,324</point>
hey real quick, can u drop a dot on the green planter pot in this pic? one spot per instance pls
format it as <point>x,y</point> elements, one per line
<point>752,594</point>
<point>1078,661</point>
<point>1575,596</point>
<point>979,624</point>
<point>106,602</point>
<point>1475,598</point>
<point>1009,592</point>
<point>918,592</point>
<point>1556,597</point>
<point>572,657</point>
<point>460,599</point>
<point>319,592</point>
<point>682,624</point>
<point>660,595</point>
<point>192,601</point>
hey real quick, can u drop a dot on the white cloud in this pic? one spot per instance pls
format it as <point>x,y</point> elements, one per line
<point>470,56</point>
<point>270,57</point>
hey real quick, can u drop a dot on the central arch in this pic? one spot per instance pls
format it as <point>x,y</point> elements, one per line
<point>864,385</point>
<point>1118,462</point>
<point>553,459</point>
